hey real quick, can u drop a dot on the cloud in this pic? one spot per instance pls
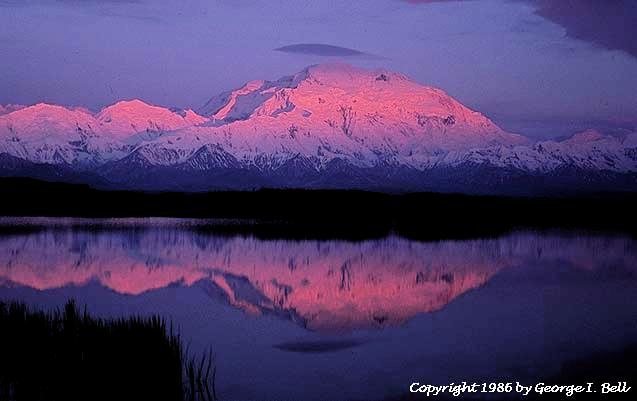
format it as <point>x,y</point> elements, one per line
<point>317,49</point>
<point>611,24</point>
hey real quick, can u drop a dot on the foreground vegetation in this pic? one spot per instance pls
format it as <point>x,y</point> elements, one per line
<point>69,355</point>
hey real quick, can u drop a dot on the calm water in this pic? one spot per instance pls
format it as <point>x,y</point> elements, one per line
<point>339,320</point>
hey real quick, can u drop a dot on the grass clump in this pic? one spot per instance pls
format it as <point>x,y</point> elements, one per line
<point>68,355</point>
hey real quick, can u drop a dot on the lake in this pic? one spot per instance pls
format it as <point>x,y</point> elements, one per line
<point>333,319</point>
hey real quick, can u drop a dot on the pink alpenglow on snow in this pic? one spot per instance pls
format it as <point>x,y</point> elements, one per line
<point>333,120</point>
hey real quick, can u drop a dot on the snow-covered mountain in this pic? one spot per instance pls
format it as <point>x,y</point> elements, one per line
<point>45,133</point>
<point>326,126</point>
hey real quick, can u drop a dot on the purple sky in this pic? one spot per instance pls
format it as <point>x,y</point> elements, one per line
<point>540,67</point>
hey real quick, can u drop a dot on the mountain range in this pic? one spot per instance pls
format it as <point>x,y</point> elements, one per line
<point>328,126</point>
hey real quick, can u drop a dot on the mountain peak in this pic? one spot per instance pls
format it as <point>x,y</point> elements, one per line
<point>329,124</point>
<point>45,107</point>
<point>46,112</point>
<point>134,116</point>
<point>346,75</point>
<point>589,135</point>
<point>341,103</point>
<point>241,103</point>
<point>128,106</point>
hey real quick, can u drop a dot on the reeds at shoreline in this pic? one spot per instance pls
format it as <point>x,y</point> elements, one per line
<point>69,355</point>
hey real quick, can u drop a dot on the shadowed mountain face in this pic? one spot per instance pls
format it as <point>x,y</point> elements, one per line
<point>321,285</point>
<point>328,126</point>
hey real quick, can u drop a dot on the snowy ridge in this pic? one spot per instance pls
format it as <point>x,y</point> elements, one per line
<point>8,108</point>
<point>327,123</point>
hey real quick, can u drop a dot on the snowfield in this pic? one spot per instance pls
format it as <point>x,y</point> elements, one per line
<point>328,125</point>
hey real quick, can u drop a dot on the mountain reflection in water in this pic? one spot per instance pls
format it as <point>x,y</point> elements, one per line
<point>321,285</point>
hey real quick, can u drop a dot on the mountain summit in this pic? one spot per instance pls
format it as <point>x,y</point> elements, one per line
<point>380,109</point>
<point>328,126</point>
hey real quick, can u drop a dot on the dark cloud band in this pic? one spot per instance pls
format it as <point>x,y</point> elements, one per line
<point>611,24</point>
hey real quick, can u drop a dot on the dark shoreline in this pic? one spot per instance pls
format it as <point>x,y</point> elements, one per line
<point>68,354</point>
<point>300,214</point>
